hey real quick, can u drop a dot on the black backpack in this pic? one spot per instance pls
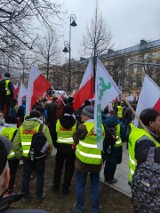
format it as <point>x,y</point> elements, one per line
<point>146,184</point>
<point>2,87</point>
<point>39,146</point>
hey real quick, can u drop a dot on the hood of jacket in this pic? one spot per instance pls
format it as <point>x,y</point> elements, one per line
<point>31,123</point>
<point>111,121</point>
<point>67,121</point>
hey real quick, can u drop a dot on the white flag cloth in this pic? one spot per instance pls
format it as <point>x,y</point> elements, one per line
<point>37,86</point>
<point>149,97</point>
<point>106,91</point>
<point>22,93</point>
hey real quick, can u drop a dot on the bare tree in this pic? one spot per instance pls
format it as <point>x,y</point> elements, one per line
<point>16,17</point>
<point>49,51</point>
<point>97,39</point>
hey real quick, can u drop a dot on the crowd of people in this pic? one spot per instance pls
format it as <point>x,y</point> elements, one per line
<point>71,133</point>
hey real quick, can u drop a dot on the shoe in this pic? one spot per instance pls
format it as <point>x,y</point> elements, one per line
<point>8,193</point>
<point>26,200</point>
<point>39,200</point>
<point>75,209</point>
<point>114,180</point>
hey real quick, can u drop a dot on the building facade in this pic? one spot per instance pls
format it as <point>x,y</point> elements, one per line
<point>127,67</point>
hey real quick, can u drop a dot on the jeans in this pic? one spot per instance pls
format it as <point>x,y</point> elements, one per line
<point>80,189</point>
<point>39,168</point>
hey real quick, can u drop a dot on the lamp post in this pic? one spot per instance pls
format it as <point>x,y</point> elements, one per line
<point>67,47</point>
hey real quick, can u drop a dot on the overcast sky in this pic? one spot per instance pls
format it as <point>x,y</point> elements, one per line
<point>129,21</point>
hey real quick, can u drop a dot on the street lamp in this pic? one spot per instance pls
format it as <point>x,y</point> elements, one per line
<point>67,47</point>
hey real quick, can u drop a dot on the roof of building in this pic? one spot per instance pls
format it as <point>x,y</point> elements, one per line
<point>144,45</point>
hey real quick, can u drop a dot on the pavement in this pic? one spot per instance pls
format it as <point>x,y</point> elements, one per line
<point>122,175</point>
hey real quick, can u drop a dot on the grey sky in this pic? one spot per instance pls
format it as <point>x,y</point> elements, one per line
<point>129,21</point>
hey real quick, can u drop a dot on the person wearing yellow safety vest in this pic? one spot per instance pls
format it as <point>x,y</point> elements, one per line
<point>140,141</point>
<point>9,131</point>
<point>115,136</point>
<point>21,147</point>
<point>5,98</point>
<point>65,156</point>
<point>88,160</point>
<point>120,110</point>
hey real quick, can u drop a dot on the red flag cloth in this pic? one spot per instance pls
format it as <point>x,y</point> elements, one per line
<point>86,89</point>
<point>37,86</point>
<point>16,90</point>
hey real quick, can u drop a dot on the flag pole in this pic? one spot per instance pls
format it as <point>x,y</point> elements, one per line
<point>139,120</point>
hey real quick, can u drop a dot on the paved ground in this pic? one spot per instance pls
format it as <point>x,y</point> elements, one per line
<point>122,175</point>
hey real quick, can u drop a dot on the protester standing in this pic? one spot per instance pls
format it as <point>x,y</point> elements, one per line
<point>65,156</point>
<point>140,142</point>
<point>21,147</point>
<point>88,160</point>
<point>6,93</point>
<point>9,131</point>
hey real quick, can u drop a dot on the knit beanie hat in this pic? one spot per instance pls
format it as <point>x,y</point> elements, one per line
<point>89,111</point>
<point>10,119</point>
<point>5,148</point>
<point>7,74</point>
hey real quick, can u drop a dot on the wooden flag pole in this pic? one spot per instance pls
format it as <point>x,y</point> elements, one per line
<point>139,120</point>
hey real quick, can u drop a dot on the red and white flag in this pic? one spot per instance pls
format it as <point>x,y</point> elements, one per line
<point>16,90</point>
<point>86,89</point>
<point>37,85</point>
<point>149,96</point>
<point>22,94</point>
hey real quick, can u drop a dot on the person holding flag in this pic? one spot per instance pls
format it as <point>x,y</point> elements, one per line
<point>141,140</point>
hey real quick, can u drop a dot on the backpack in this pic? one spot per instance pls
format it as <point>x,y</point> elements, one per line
<point>2,87</point>
<point>39,148</point>
<point>110,139</point>
<point>146,185</point>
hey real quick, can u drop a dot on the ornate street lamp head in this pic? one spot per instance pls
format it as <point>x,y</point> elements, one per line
<point>73,20</point>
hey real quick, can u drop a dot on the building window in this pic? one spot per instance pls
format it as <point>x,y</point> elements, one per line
<point>139,67</point>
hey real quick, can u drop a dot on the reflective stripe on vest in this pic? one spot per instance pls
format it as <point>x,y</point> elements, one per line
<point>65,135</point>
<point>87,150</point>
<point>7,88</point>
<point>26,138</point>
<point>118,142</point>
<point>137,134</point>
<point>8,133</point>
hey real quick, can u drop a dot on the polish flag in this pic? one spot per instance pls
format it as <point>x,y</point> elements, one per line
<point>149,96</point>
<point>16,90</point>
<point>37,86</point>
<point>22,94</point>
<point>86,89</point>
